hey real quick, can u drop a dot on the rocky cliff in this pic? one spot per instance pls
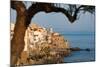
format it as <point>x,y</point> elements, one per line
<point>42,46</point>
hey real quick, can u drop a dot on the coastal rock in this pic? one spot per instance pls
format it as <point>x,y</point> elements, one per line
<point>75,49</point>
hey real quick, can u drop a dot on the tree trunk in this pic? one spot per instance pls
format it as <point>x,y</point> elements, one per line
<point>17,42</point>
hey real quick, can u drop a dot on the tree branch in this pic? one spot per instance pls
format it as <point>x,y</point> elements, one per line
<point>47,7</point>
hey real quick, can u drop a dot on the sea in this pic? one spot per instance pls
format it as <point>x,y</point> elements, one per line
<point>82,41</point>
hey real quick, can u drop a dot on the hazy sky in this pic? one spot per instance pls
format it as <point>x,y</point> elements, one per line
<point>60,23</point>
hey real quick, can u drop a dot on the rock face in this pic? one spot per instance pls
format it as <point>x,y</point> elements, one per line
<point>42,46</point>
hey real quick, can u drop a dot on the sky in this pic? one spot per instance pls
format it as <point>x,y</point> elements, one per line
<point>60,23</point>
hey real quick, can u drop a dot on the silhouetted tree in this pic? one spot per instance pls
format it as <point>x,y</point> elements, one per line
<point>25,15</point>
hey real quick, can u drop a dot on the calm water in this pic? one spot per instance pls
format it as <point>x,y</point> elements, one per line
<point>82,41</point>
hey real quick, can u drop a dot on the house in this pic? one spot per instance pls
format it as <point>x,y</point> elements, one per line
<point>34,36</point>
